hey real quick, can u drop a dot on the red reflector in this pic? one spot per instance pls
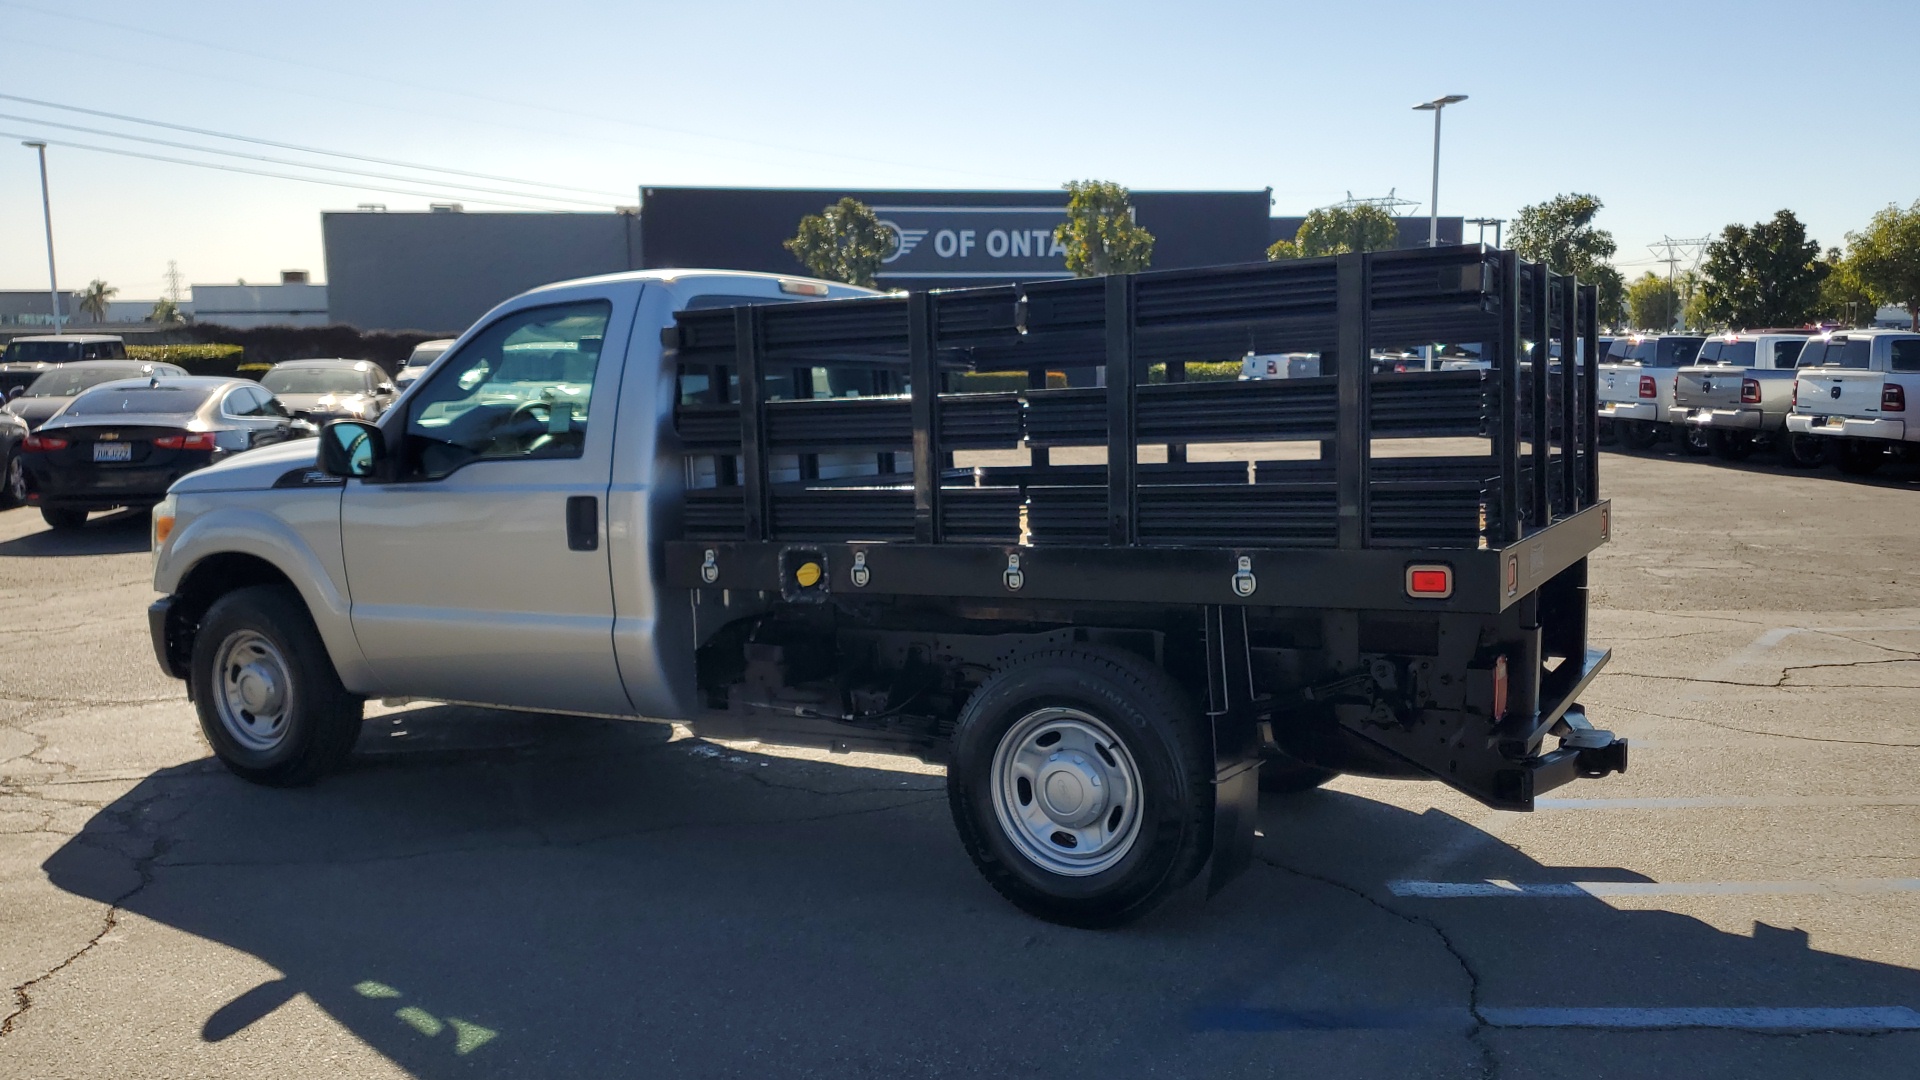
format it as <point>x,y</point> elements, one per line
<point>1749,391</point>
<point>40,444</point>
<point>1500,688</point>
<point>1893,398</point>
<point>1647,387</point>
<point>1430,582</point>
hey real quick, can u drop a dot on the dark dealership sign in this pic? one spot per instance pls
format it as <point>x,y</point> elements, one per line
<point>936,242</point>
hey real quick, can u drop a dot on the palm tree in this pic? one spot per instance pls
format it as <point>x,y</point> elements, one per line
<point>93,301</point>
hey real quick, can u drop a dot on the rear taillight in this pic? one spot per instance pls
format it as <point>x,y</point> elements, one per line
<point>1795,400</point>
<point>1647,388</point>
<point>1500,688</point>
<point>40,444</point>
<point>1749,391</point>
<point>195,440</point>
<point>1430,581</point>
<point>1893,398</point>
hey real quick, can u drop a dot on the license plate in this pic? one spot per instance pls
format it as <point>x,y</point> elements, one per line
<point>112,451</point>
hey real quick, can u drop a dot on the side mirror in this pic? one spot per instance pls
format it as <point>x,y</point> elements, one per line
<point>389,388</point>
<point>351,448</point>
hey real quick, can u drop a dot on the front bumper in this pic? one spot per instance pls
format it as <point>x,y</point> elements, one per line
<point>1645,411</point>
<point>1848,427</point>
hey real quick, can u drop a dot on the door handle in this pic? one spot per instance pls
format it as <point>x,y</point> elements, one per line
<point>583,523</point>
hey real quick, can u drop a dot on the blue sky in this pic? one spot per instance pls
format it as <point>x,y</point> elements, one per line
<point>1681,116</point>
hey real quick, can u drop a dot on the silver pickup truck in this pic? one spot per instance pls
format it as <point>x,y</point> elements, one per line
<point>1736,397</point>
<point>1851,397</point>
<point>1636,387</point>
<point>666,496</point>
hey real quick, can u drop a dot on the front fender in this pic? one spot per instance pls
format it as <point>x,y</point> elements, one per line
<point>296,531</point>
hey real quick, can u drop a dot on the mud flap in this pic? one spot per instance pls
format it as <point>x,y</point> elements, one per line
<point>1232,711</point>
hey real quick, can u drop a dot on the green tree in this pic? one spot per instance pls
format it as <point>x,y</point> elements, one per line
<point>1283,249</point>
<point>1887,257</point>
<point>1652,303</point>
<point>1336,230</point>
<point>1766,274</point>
<point>165,312</point>
<point>1560,233</point>
<point>843,242</point>
<point>93,300</point>
<point>1844,297</point>
<point>1100,234</point>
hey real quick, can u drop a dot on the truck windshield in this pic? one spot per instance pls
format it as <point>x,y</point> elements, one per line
<point>1838,352</point>
<point>66,382</point>
<point>315,381</point>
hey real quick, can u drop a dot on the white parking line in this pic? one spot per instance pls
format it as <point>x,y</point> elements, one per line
<point>1560,890</point>
<point>1726,802</point>
<point>1868,1018</point>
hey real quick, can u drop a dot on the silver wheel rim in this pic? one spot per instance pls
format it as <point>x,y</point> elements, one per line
<point>1066,791</point>
<point>17,480</point>
<point>252,692</point>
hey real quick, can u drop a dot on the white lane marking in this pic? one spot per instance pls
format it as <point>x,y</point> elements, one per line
<point>1556,890</point>
<point>1729,802</point>
<point>1760,646</point>
<point>1868,1018</point>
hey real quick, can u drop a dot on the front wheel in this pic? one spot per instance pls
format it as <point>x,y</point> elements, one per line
<point>270,703</point>
<point>1804,451</point>
<point>1080,782</point>
<point>59,518</point>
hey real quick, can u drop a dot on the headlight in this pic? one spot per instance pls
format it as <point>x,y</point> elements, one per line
<point>163,515</point>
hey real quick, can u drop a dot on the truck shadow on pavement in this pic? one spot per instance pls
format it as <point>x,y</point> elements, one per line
<point>495,894</point>
<point>119,533</point>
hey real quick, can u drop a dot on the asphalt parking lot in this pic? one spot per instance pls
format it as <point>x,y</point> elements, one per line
<point>498,895</point>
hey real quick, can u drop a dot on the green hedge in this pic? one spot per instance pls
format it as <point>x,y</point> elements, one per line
<point>183,354</point>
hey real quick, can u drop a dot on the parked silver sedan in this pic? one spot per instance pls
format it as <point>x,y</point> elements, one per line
<point>323,390</point>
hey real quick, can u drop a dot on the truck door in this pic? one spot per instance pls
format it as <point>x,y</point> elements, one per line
<point>479,572</point>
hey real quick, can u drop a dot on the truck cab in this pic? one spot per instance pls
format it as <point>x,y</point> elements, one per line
<point>1735,397</point>
<point>1851,392</point>
<point>1637,386</point>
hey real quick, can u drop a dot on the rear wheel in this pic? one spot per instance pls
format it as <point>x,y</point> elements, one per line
<point>59,518</point>
<point>1861,458</point>
<point>1804,451</point>
<point>1081,785</point>
<point>270,703</point>
<point>1692,439</point>
<point>1731,445</point>
<point>16,485</point>
<point>1638,434</point>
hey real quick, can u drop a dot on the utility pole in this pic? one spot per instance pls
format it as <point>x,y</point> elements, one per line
<point>1436,106</point>
<point>1673,258</point>
<point>46,211</point>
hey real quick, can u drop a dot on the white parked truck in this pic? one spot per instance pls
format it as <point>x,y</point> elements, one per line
<point>611,497</point>
<point>1736,396</point>
<point>1637,384</point>
<point>1853,390</point>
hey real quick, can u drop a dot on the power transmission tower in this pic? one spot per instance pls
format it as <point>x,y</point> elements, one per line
<point>1391,202</point>
<point>1694,249</point>
<point>173,281</point>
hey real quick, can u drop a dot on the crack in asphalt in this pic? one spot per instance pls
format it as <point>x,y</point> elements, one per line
<point>1771,734</point>
<point>143,867</point>
<point>1489,1061</point>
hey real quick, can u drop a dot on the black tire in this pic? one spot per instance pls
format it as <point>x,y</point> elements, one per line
<point>1638,434</point>
<point>1858,458</point>
<point>1281,774</point>
<point>1160,731</point>
<point>60,518</point>
<point>13,482</point>
<point>1731,445</point>
<point>1606,432</point>
<point>1693,440</point>
<point>320,717</point>
<point>1804,451</point>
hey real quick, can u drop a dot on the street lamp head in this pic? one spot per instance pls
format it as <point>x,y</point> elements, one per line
<point>35,145</point>
<point>1440,103</point>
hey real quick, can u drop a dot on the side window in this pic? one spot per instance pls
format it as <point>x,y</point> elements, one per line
<point>1903,354</point>
<point>263,403</point>
<point>520,389</point>
<point>240,402</point>
<point>1786,352</point>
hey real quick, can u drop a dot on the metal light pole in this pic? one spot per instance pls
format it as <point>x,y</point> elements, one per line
<point>46,210</point>
<point>1433,207</point>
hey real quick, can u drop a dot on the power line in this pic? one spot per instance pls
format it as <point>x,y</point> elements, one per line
<point>296,164</point>
<point>280,145</point>
<point>277,176</point>
<point>439,88</point>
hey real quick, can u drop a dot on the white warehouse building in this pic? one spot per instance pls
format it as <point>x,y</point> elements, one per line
<point>294,302</point>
